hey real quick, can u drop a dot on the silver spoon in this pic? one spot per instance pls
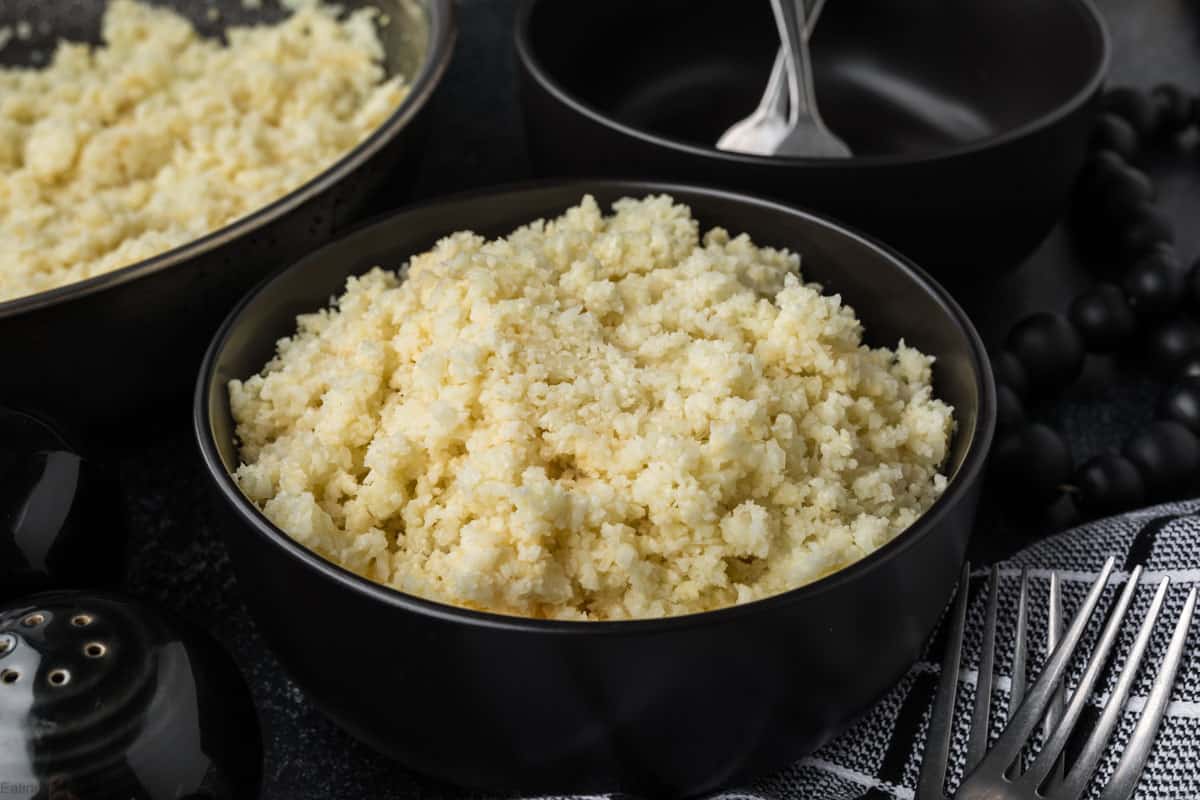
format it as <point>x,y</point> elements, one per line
<point>786,121</point>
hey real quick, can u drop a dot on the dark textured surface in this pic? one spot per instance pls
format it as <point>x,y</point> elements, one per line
<point>178,562</point>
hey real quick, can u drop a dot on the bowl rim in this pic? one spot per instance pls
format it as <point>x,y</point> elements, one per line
<point>442,34</point>
<point>1089,16</point>
<point>959,485</point>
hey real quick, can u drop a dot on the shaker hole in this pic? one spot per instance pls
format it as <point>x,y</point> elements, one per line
<point>59,677</point>
<point>9,676</point>
<point>94,650</point>
<point>81,620</point>
<point>34,619</point>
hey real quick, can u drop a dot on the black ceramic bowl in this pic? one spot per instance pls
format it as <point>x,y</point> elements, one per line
<point>659,707</point>
<point>969,120</point>
<point>123,344</point>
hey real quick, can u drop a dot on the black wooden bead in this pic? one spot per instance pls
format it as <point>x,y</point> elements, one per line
<point>1172,343</point>
<point>1097,169</point>
<point>1154,284</point>
<point>1189,368</point>
<point>1135,106</point>
<point>1049,348</point>
<point>1193,285</point>
<point>1010,411</point>
<point>1101,165</point>
<point>1009,372</point>
<point>1103,317</point>
<point>1116,134</point>
<point>1110,192</point>
<point>1101,168</point>
<point>1143,230</point>
<point>1167,454</point>
<point>1127,180</point>
<point>1181,403</point>
<point>1033,463</point>
<point>1109,483</point>
<point>1174,108</point>
<point>1126,201</point>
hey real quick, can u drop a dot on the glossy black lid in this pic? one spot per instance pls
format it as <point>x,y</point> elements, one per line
<point>100,697</point>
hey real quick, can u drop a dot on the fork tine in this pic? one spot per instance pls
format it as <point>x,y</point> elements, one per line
<point>1046,758</point>
<point>977,743</point>
<point>1125,777</point>
<point>1059,703</point>
<point>941,723</point>
<point>1008,747</point>
<point>1017,692</point>
<point>1053,636</point>
<point>1093,749</point>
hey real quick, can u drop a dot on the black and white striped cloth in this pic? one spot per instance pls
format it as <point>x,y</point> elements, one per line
<point>880,756</point>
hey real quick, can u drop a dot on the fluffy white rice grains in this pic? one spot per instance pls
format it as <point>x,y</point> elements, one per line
<point>593,418</point>
<point>113,154</point>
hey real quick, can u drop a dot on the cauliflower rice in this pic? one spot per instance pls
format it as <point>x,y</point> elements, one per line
<point>117,153</point>
<point>594,418</point>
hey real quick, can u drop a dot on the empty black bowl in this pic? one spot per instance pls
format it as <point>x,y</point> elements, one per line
<point>969,120</point>
<point>658,707</point>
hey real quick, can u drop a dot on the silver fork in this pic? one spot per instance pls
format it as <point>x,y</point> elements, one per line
<point>937,747</point>
<point>786,121</point>
<point>998,775</point>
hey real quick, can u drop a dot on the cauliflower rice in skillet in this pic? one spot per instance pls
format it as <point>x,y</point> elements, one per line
<point>113,154</point>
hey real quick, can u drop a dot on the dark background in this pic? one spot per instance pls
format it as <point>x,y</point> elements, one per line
<point>178,563</point>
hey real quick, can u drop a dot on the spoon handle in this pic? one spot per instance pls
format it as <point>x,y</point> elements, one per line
<point>791,19</point>
<point>812,12</point>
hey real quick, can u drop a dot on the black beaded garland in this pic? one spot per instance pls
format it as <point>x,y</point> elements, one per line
<point>1108,483</point>
<point>1045,352</point>
<point>1049,348</point>
<point>1181,403</point>
<point>1103,318</point>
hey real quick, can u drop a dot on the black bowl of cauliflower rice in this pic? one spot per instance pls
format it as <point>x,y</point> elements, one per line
<point>602,485</point>
<point>159,157</point>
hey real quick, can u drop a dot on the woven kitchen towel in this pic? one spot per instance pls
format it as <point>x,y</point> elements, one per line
<point>881,755</point>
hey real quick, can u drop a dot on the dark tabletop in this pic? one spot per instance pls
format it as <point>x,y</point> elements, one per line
<point>178,562</point>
